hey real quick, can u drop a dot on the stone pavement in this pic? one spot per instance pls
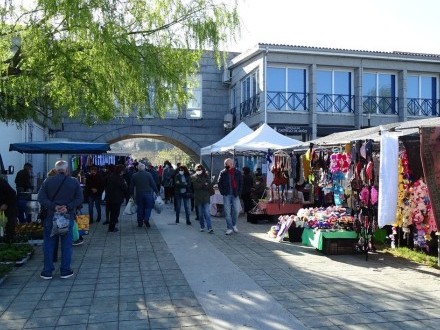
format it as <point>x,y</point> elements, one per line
<point>174,277</point>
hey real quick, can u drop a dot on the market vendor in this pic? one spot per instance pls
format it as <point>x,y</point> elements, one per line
<point>8,205</point>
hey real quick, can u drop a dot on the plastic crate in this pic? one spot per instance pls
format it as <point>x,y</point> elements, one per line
<point>333,246</point>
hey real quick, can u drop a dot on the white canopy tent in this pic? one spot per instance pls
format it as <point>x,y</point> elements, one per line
<point>227,142</point>
<point>263,139</point>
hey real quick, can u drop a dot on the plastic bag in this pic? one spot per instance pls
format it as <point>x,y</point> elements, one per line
<point>75,232</point>
<point>158,204</point>
<point>131,207</point>
<point>60,224</point>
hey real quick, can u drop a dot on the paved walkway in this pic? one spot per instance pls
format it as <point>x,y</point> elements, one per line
<point>174,277</point>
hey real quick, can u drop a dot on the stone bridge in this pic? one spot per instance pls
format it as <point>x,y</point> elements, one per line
<point>187,134</point>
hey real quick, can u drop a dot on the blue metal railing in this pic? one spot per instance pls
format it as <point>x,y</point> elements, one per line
<point>380,105</point>
<point>335,103</point>
<point>339,103</point>
<point>423,107</point>
<point>250,106</point>
<point>288,101</point>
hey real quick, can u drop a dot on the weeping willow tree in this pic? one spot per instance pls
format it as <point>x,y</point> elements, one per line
<point>94,59</point>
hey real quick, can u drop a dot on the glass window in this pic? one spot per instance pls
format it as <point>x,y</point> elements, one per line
<point>286,89</point>
<point>334,91</point>
<point>194,106</point>
<point>421,93</point>
<point>276,80</point>
<point>369,84</point>
<point>249,86</point>
<point>324,82</point>
<point>296,82</point>
<point>379,93</point>
<point>412,87</point>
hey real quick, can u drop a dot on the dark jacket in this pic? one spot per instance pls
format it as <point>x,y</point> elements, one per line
<point>202,187</point>
<point>180,185</point>
<point>23,181</point>
<point>116,188</point>
<point>248,184</point>
<point>70,194</point>
<point>8,197</point>
<point>224,183</point>
<point>167,177</point>
<point>142,182</point>
<point>94,181</point>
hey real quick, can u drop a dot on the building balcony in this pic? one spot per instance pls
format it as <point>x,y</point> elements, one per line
<point>339,103</point>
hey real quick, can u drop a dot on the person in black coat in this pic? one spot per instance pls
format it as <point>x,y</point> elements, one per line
<point>248,185</point>
<point>8,204</point>
<point>115,192</point>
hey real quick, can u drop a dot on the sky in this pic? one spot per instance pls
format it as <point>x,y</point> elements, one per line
<point>375,25</point>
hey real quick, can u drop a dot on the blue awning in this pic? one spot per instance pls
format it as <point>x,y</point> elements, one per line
<point>59,147</point>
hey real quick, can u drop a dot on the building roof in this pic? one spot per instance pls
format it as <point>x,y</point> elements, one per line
<point>341,52</point>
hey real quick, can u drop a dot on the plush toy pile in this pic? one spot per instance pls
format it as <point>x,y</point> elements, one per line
<point>332,217</point>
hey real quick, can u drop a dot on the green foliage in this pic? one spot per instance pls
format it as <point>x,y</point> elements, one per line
<point>414,255</point>
<point>95,59</point>
<point>174,155</point>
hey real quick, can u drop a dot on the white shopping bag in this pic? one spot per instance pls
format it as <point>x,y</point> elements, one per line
<point>131,207</point>
<point>158,204</point>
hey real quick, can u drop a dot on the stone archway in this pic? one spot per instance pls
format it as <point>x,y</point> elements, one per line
<point>166,134</point>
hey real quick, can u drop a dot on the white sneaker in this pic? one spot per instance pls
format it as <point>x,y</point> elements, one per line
<point>229,232</point>
<point>202,229</point>
<point>235,229</point>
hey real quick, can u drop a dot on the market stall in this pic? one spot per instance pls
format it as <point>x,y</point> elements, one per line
<point>377,174</point>
<point>58,147</point>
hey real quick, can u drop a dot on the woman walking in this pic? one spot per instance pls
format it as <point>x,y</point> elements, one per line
<point>202,196</point>
<point>115,191</point>
<point>183,192</point>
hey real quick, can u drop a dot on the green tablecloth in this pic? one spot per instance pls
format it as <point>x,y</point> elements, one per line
<point>311,238</point>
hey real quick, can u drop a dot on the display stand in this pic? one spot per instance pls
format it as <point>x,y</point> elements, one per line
<point>271,211</point>
<point>330,242</point>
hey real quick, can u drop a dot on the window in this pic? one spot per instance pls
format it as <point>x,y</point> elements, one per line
<point>421,95</point>
<point>379,93</point>
<point>249,86</point>
<point>286,89</point>
<point>334,91</point>
<point>194,107</point>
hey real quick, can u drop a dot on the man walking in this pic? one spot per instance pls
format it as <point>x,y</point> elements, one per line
<point>142,187</point>
<point>59,193</point>
<point>230,185</point>
<point>93,190</point>
<point>24,186</point>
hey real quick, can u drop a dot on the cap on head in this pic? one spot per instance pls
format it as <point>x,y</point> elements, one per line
<point>61,166</point>
<point>141,167</point>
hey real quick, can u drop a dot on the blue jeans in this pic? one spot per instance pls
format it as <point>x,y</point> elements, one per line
<point>95,201</point>
<point>231,207</point>
<point>22,216</point>
<point>186,204</point>
<point>49,245</point>
<point>204,215</point>
<point>145,204</point>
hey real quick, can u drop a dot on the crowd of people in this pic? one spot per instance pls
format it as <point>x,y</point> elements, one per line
<point>63,194</point>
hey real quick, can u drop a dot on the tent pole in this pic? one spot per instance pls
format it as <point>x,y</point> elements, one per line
<point>212,162</point>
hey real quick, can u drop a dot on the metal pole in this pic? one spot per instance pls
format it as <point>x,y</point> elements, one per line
<point>438,248</point>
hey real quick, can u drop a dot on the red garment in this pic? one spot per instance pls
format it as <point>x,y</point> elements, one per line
<point>231,173</point>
